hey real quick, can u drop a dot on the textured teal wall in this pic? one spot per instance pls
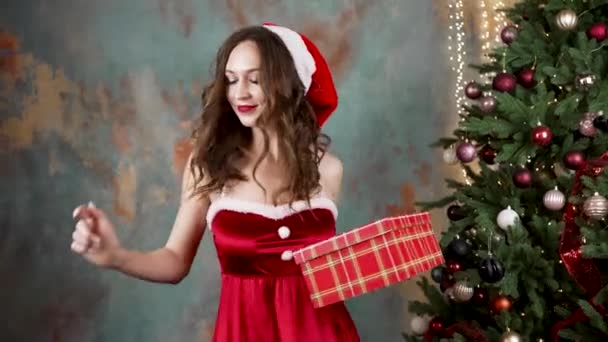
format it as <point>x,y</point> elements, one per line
<point>96,102</point>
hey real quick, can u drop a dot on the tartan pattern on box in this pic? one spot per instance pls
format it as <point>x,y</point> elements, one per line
<point>368,258</point>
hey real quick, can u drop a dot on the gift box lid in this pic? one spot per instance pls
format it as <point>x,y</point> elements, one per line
<point>366,232</point>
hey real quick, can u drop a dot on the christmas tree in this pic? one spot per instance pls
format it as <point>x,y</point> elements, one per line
<point>527,241</point>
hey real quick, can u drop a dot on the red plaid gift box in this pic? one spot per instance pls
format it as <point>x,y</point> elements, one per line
<point>369,258</point>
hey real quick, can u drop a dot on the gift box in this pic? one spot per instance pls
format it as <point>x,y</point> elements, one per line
<point>368,258</point>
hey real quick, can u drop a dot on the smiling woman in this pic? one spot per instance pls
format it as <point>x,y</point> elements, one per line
<point>262,179</point>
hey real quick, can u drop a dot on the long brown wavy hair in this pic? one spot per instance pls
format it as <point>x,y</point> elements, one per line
<point>220,140</point>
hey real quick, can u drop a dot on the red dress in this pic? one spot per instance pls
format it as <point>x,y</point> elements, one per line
<point>263,296</point>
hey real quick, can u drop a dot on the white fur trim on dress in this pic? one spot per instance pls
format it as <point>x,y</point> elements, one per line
<point>303,59</point>
<point>270,211</point>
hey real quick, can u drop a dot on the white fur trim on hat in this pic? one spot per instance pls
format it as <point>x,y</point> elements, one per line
<point>303,59</point>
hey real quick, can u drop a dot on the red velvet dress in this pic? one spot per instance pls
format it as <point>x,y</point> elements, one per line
<point>263,296</point>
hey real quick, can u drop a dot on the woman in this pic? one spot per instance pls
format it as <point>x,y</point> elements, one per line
<point>261,179</point>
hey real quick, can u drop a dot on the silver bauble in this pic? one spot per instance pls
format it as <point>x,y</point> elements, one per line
<point>449,155</point>
<point>419,324</point>
<point>554,199</point>
<point>462,291</point>
<point>507,218</point>
<point>585,126</point>
<point>511,336</point>
<point>596,206</point>
<point>566,19</point>
<point>585,81</point>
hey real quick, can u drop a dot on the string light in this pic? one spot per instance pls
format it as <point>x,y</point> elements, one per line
<point>484,35</point>
<point>456,49</point>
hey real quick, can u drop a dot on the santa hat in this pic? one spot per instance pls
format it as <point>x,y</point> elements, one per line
<point>312,70</point>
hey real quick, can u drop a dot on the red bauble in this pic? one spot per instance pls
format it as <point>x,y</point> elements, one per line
<point>522,178</point>
<point>453,266</point>
<point>598,31</point>
<point>487,154</point>
<point>541,135</point>
<point>446,283</point>
<point>504,82</point>
<point>573,160</point>
<point>500,303</point>
<point>526,78</point>
<point>436,326</point>
<point>480,296</point>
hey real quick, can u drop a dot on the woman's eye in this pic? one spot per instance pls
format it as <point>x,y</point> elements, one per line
<point>254,81</point>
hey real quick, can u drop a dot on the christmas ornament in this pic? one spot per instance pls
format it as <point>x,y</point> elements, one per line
<point>585,126</point>
<point>601,123</point>
<point>446,283</point>
<point>487,104</point>
<point>480,296</point>
<point>458,248</point>
<point>507,218</point>
<point>465,152</point>
<point>596,206</point>
<point>448,294</point>
<point>500,303</point>
<point>487,154</point>
<point>541,135</point>
<point>522,178</point>
<point>472,90</point>
<point>598,31</point>
<point>437,274</point>
<point>573,160</point>
<point>419,324</point>
<point>462,291</point>
<point>584,82</point>
<point>511,336</point>
<point>554,199</point>
<point>584,271</point>
<point>566,19</point>
<point>508,34</point>
<point>453,266</point>
<point>491,270</point>
<point>436,326</point>
<point>455,212</point>
<point>526,78</point>
<point>504,82</point>
<point>449,155</point>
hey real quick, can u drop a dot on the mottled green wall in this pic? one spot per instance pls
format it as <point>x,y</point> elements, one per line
<point>96,102</point>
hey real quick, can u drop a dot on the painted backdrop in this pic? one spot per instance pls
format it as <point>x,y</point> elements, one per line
<point>96,103</point>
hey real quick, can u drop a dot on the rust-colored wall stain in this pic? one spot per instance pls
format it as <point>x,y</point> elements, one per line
<point>407,196</point>
<point>9,62</point>
<point>335,36</point>
<point>178,13</point>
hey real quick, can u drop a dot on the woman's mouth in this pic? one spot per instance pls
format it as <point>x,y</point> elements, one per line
<point>246,108</point>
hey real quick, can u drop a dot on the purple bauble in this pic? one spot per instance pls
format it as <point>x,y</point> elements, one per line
<point>466,152</point>
<point>487,104</point>
<point>508,34</point>
<point>472,90</point>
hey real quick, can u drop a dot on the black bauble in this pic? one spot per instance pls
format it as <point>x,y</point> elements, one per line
<point>491,270</point>
<point>438,273</point>
<point>601,123</point>
<point>455,212</point>
<point>458,248</point>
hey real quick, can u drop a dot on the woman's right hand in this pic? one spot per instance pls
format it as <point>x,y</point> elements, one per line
<point>94,236</point>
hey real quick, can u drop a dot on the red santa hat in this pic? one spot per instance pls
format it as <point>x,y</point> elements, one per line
<point>312,69</point>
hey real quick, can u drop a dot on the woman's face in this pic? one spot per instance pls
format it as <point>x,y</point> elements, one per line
<point>244,91</point>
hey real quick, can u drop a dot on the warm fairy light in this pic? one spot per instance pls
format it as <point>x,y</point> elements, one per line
<point>457,50</point>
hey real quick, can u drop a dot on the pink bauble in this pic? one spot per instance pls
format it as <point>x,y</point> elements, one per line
<point>466,152</point>
<point>598,31</point>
